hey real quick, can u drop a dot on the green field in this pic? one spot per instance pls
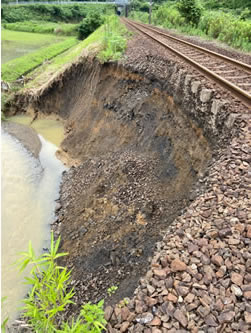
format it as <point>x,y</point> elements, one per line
<point>44,27</point>
<point>13,69</point>
<point>17,44</point>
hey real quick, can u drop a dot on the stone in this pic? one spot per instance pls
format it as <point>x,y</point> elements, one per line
<point>125,313</point>
<point>237,279</point>
<point>160,273</point>
<point>247,294</point>
<point>150,301</point>
<point>203,311</point>
<point>124,326</point>
<point>178,315</point>
<point>211,321</point>
<point>247,316</point>
<point>156,330</point>
<point>150,289</point>
<point>189,298</point>
<point>195,86</point>
<point>145,318</point>
<point>217,260</point>
<point>183,291</point>
<point>226,317</point>
<point>177,265</point>
<point>236,290</point>
<point>108,313</point>
<point>155,322</point>
<point>171,298</point>
<point>249,231</point>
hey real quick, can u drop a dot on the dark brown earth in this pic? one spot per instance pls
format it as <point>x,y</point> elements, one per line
<point>144,142</point>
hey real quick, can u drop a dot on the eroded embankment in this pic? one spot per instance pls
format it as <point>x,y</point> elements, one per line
<point>144,137</point>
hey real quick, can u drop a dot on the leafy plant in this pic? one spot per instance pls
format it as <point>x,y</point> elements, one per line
<point>51,293</point>
<point>112,290</point>
<point>115,40</point>
<point>89,24</point>
<point>190,10</point>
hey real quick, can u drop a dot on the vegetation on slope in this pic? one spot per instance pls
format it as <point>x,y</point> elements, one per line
<point>53,13</point>
<point>230,23</point>
<point>50,294</point>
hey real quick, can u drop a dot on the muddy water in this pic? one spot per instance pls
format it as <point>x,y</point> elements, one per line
<point>51,129</point>
<point>29,191</point>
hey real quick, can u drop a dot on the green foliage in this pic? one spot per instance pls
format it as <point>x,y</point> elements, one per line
<point>168,17</point>
<point>89,25</point>
<point>51,293</point>
<point>45,27</point>
<point>3,299</point>
<point>112,290</point>
<point>53,13</point>
<point>13,69</point>
<point>190,10</point>
<point>227,29</point>
<point>115,40</point>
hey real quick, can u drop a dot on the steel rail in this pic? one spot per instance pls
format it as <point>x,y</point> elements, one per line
<point>238,92</point>
<point>234,62</point>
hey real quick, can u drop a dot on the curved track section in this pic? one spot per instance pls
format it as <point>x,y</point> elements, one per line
<point>231,74</point>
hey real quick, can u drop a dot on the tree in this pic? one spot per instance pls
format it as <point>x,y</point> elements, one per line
<point>190,10</point>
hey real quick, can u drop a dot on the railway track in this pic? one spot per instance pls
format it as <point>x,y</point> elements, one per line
<point>231,74</point>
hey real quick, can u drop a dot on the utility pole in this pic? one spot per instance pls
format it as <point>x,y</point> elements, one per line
<point>150,12</point>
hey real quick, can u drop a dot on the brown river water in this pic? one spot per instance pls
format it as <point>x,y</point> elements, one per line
<point>29,190</point>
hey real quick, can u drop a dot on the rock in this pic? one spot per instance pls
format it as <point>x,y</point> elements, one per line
<point>189,298</point>
<point>171,297</point>
<point>155,330</point>
<point>160,273</point>
<point>145,318</point>
<point>125,313</point>
<point>155,322</point>
<point>247,294</point>
<point>226,317</point>
<point>217,260</point>
<point>249,231</point>
<point>150,301</point>
<point>236,290</point>
<point>203,311</point>
<point>237,279</point>
<point>124,326</point>
<point>247,316</point>
<point>211,321</point>
<point>178,265</point>
<point>150,289</point>
<point>108,313</point>
<point>183,291</point>
<point>178,315</point>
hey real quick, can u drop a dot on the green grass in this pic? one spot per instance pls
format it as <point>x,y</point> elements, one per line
<point>17,44</point>
<point>13,69</point>
<point>29,38</point>
<point>44,27</point>
<point>108,46</point>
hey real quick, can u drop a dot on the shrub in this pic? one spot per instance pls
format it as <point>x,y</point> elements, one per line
<point>89,24</point>
<point>190,10</point>
<point>51,293</point>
